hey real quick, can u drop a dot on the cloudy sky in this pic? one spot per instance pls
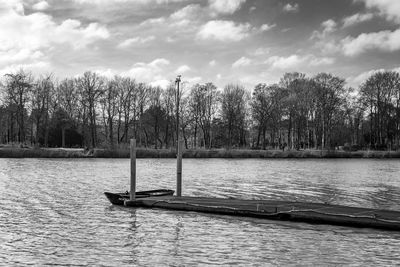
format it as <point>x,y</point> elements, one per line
<point>219,41</point>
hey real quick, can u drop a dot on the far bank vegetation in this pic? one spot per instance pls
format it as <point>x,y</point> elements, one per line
<point>299,112</point>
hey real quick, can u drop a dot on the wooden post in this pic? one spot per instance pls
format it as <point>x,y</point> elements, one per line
<point>179,169</point>
<point>133,170</point>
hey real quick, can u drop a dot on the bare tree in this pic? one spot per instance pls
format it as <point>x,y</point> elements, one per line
<point>18,87</point>
<point>91,87</point>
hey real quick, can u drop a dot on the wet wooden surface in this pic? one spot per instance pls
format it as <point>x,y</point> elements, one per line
<point>279,210</point>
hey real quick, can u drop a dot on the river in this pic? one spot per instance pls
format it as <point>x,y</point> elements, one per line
<point>53,212</point>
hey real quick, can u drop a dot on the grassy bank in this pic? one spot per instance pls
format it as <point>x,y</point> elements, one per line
<point>191,153</point>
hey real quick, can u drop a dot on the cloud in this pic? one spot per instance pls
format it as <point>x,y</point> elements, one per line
<point>212,63</point>
<point>148,72</point>
<point>328,26</point>
<point>108,73</point>
<point>241,62</point>
<point>188,12</point>
<point>387,41</point>
<point>356,19</point>
<point>223,30</point>
<point>136,40</point>
<point>39,30</point>
<point>30,39</point>
<point>260,51</point>
<point>277,62</point>
<point>388,8</point>
<point>163,83</point>
<point>41,6</point>
<point>182,69</point>
<point>139,2</point>
<point>362,77</point>
<point>153,21</point>
<point>193,80</point>
<point>296,61</point>
<point>291,8</point>
<point>225,6</point>
<point>37,68</point>
<point>266,27</point>
<point>319,61</point>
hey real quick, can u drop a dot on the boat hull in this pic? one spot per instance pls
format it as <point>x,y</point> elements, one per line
<point>120,198</point>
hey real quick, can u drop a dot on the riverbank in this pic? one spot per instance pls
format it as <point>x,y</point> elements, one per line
<point>190,153</point>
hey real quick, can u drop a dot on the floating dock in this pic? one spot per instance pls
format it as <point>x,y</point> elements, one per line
<point>267,209</point>
<point>317,213</point>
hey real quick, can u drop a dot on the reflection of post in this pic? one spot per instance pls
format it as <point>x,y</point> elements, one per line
<point>179,169</point>
<point>133,170</point>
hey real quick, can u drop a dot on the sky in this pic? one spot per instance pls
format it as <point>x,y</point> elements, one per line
<point>219,41</point>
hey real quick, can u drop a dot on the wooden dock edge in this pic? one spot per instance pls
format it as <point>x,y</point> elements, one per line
<point>306,216</point>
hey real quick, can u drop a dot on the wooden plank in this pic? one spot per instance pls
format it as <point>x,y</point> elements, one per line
<point>279,210</point>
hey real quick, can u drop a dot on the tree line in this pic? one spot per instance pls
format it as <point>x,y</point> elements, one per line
<point>298,112</point>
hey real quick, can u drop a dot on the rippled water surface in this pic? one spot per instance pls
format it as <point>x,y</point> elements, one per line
<point>53,212</point>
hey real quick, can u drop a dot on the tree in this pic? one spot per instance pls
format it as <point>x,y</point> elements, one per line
<point>108,103</point>
<point>263,104</point>
<point>234,105</point>
<point>380,95</point>
<point>18,87</point>
<point>91,87</point>
<point>329,97</point>
<point>203,104</point>
<point>43,101</point>
<point>68,99</point>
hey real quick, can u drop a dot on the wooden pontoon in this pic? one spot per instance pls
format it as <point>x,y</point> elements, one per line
<point>318,213</point>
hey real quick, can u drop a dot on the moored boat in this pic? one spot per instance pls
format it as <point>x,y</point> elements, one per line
<point>119,198</point>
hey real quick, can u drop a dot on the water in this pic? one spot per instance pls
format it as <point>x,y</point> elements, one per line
<point>53,212</point>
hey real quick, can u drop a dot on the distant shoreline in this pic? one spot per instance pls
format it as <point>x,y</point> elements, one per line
<point>190,153</point>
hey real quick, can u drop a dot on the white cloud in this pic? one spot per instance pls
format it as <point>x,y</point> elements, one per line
<point>356,18</point>
<point>108,73</point>
<point>193,80</point>
<point>266,27</point>
<point>362,77</point>
<point>328,26</point>
<point>356,81</point>
<point>260,51</point>
<point>153,21</point>
<point>276,62</point>
<point>26,39</point>
<point>38,30</point>
<point>182,69</point>
<point>225,6</point>
<point>389,8</point>
<point>241,62</point>
<point>296,61</point>
<point>41,6</point>
<point>223,30</point>
<point>148,72</point>
<point>140,2</point>
<point>387,41</point>
<point>316,61</point>
<point>291,7</point>
<point>136,40</point>
<point>188,12</point>
<point>163,83</point>
<point>37,68</point>
<point>212,63</point>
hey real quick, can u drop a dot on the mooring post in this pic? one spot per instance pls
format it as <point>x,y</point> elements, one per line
<point>179,169</point>
<point>133,170</point>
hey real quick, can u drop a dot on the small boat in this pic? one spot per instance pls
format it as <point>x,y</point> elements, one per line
<point>119,198</point>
